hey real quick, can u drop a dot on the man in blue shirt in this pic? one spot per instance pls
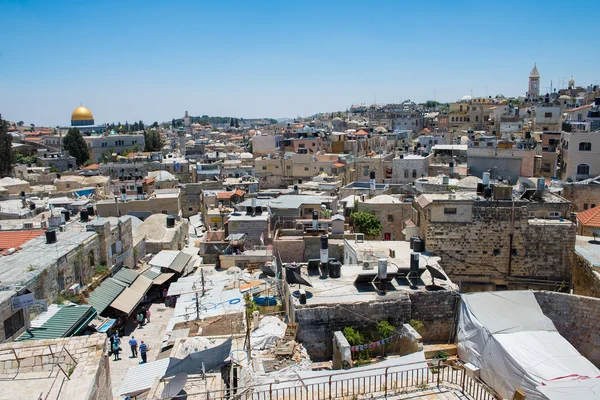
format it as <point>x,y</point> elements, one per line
<point>134,344</point>
<point>143,352</point>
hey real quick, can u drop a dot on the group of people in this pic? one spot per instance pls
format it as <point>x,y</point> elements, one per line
<point>143,349</point>
<point>143,317</point>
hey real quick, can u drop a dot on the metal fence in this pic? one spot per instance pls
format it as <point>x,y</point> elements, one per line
<point>377,382</point>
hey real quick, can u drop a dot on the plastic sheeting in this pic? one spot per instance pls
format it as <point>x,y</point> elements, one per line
<point>515,345</point>
<point>267,335</point>
<point>192,364</point>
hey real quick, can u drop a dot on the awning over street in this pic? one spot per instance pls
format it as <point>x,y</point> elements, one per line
<point>174,260</point>
<point>129,298</point>
<point>162,278</point>
<point>68,321</point>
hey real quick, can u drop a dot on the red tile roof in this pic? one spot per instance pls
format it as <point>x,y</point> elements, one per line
<point>91,167</point>
<point>361,133</point>
<point>590,217</point>
<point>149,181</point>
<point>338,165</point>
<point>228,195</point>
<point>9,239</point>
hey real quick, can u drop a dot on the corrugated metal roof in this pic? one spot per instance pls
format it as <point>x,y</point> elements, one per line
<point>180,262</point>
<point>150,273</point>
<point>68,321</point>
<point>105,294</point>
<point>126,275</point>
<point>164,258</point>
<point>140,378</point>
<point>162,278</point>
<point>45,316</point>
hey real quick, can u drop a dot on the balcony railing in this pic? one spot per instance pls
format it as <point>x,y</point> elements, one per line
<point>350,384</point>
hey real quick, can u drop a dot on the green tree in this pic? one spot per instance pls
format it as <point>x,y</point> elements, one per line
<point>76,146</point>
<point>20,123</point>
<point>385,330</point>
<point>6,154</point>
<point>153,141</point>
<point>366,222</point>
<point>141,125</point>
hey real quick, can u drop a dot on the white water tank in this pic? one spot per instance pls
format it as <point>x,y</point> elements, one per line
<point>486,178</point>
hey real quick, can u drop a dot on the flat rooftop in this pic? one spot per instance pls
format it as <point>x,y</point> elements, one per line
<point>589,249</point>
<point>36,255</point>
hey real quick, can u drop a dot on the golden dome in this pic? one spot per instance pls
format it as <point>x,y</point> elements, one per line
<point>81,114</point>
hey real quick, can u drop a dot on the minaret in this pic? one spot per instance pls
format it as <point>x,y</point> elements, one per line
<point>534,83</point>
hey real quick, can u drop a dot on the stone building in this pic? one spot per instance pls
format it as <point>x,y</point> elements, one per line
<point>165,201</point>
<point>584,195</point>
<point>586,267</point>
<point>501,241</point>
<point>46,269</point>
<point>391,211</point>
<point>255,223</point>
<point>407,168</point>
<point>62,162</point>
<point>156,235</point>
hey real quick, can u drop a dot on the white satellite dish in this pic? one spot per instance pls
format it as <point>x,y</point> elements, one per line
<point>175,386</point>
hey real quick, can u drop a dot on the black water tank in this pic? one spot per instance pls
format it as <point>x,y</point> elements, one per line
<point>140,190</point>
<point>32,206</point>
<point>597,101</point>
<point>302,296</point>
<point>372,175</point>
<point>67,215</point>
<point>50,236</point>
<point>335,269</point>
<point>487,192</point>
<point>170,221</point>
<point>418,245</point>
<point>57,176</point>
<point>412,241</point>
<point>22,194</point>
<point>84,215</point>
<point>90,211</point>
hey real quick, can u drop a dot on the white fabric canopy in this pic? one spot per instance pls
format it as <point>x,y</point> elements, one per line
<point>515,345</point>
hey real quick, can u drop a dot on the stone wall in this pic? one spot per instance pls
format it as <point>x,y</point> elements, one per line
<point>586,281</point>
<point>190,199</point>
<point>482,250</point>
<point>86,361</point>
<point>289,248</point>
<point>577,319</point>
<point>436,310</point>
<point>580,195</point>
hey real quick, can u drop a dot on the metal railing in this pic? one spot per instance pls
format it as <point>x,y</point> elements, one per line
<point>377,382</point>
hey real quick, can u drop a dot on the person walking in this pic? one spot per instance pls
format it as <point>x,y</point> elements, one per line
<point>140,320</point>
<point>116,349</point>
<point>164,293</point>
<point>143,312</point>
<point>144,352</point>
<point>148,315</point>
<point>134,347</point>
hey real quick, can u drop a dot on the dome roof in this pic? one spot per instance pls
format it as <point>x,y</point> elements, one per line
<point>467,97</point>
<point>565,97</point>
<point>82,114</point>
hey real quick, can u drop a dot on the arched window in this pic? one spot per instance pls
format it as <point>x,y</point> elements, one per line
<point>585,146</point>
<point>583,169</point>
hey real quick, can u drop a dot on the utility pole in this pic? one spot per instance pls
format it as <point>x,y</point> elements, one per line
<point>247,299</point>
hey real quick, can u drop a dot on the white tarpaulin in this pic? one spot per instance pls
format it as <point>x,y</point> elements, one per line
<point>515,345</point>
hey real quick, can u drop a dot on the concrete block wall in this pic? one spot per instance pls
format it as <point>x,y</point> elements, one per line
<point>577,319</point>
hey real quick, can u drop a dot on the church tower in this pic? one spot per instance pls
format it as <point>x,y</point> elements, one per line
<point>534,83</point>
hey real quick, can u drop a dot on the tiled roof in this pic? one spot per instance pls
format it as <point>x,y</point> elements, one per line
<point>9,239</point>
<point>228,195</point>
<point>590,217</point>
<point>338,165</point>
<point>91,167</point>
<point>361,133</point>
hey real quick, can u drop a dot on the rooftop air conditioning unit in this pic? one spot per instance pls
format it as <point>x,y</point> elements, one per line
<point>28,225</point>
<point>360,237</point>
<point>75,288</point>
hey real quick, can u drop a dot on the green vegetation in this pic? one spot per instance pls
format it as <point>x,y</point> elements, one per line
<point>153,140</point>
<point>75,145</point>
<point>417,325</point>
<point>67,296</point>
<point>100,270</point>
<point>385,330</point>
<point>21,159</point>
<point>54,170</point>
<point>250,304</point>
<point>432,104</point>
<point>366,222</point>
<point>88,163</point>
<point>6,153</point>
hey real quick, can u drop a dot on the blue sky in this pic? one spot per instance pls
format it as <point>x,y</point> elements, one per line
<point>132,60</point>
